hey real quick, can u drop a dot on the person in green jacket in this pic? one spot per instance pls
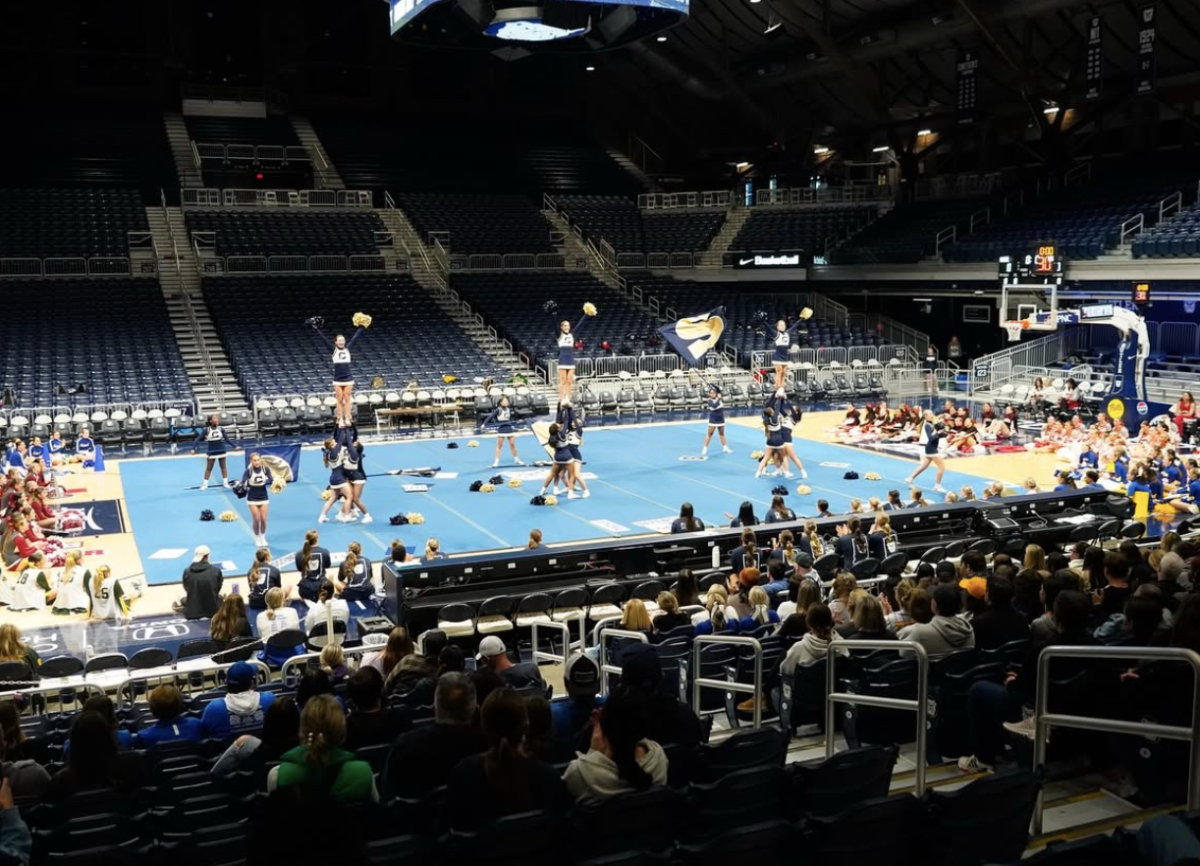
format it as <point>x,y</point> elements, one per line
<point>320,760</point>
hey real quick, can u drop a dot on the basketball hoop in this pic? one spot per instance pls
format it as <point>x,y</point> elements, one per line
<point>1014,328</point>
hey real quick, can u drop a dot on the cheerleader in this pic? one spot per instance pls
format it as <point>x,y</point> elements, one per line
<point>72,586</point>
<point>333,456</point>
<point>502,416</point>
<point>32,590</point>
<point>55,446</point>
<point>929,436</point>
<point>790,415</point>
<point>85,447</point>
<point>109,597</point>
<point>563,460</point>
<point>783,342</point>
<point>257,479</point>
<point>773,427</point>
<point>312,561</point>
<point>352,451</point>
<point>262,577</point>
<point>343,377</point>
<point>355,581</point>
<point>574,429</point>
<point>716,421</point>
<point>217,445</point>
<point>566,352</point>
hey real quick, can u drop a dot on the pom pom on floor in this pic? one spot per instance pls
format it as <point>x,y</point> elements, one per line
<point>514,482</point>
<point>873,476</point>
<point>487,487</point>
<point>756,455</point>
<point>804,490</point>
<point>415,518</point>
<point>228,516</point>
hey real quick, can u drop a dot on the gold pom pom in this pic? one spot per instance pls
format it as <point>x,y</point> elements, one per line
<point>806,313</point>
<point>589,309</point>
<point>361,320</point>
<point>449,379</point>
<point>873,476</point>
<point>804,490</point>
<point>326,494</point>
<point>550,499</point>
<point>474,443</point>
<point>277,485</point>
<point>228,516</point>
<point>514,482</point>
<point>487,487</point>
<point>415,518</point>
<point>757,455</point>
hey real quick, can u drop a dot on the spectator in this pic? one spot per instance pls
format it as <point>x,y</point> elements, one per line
<point>1169,572</point>
<point>670,617</point>
<point>313,683</point>
<point>843,585</point>
<point>28,779</point>
<point>1139,624</point>
<point>745,554</point>
<point>399,645</point>
<point>230,622</point>
<point>369,723</point>
<point>1139,570</point>
<point>1027,593</point>
<point>739,598</point>
<point>974,597</point>
<point>801,594</point>
<point>410,681</point>
<point>815,644</point>
<point>14,649</point>
<point>242,708</point>
<point>669,720</point>
<point>581,677</point>
<point>95,763</point>
<point>172,723</point>
<point>1042,629</point>
<point>494,654</point>
<point>275,619</point>
<point>777,582</point>
<point>103,705</point>
<point>326,605</point>
<point>714,619</point>
<point>948,632</point>
<point>320,761</point>
<point>16,842</point>
<point>621,758</point>
<point>421,759</point>
<point>687,589</point>
<point>869,621</point>
<point>333,663</point>
<point>1000,623</point>
<point>1035,556</point>
<point>201,586</point>
<point>901,614</point>
<point>945,574</point>
<point>1112,596</point>
<point>687,520</point>
<point>760,611</point>
<point>280,734</point>
<point>920,607</point>
<point>635,617</point>
<point>503,780</point>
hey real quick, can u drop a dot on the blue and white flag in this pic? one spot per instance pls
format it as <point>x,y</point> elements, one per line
<point>694,336</point>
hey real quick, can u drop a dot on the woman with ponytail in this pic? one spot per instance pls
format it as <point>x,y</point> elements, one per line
<point>262,578</point>
<point>312,561</point>
<point>276,618</point>
<point>355,581</point>
<point>504,780</point>
<point>620,760</point>
<point>317,613</point>
<point>319,765</point>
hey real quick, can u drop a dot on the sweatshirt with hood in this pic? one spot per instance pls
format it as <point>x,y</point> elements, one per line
<point>594,776</point>
<point>235,713</point>
<point>806,651</point>
<point>943,634</point>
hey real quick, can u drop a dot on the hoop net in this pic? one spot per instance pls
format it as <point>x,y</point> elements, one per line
<point>1014,328</point>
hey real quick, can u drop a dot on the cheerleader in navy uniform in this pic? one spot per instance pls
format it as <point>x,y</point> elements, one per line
<point>716,420</point>
<point>566,352</point>
<point>502,416</point>
<point>352,460</point>
<point>561,470</point>
<point>261,577</point>
<point>571,423</point>
<point>333,456</point>
<point>790,415</point>
<point>930,434</point>
<point>257,479</point>
<point>773,426</point>
<point>217,444</point>
<point>343,377</point>
<point>783,342</point>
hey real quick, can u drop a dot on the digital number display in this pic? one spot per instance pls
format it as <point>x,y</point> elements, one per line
<point>1041,267</point>
<point>1141,293</point>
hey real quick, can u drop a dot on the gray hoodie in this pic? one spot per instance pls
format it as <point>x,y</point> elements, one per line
<point>594,775</point>
<point>944,634</point>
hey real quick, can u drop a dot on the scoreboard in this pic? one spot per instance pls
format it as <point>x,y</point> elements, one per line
<point>1042,267</point>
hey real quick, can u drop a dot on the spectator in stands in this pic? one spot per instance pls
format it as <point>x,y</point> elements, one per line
<point>974,597</point>
<point>581,677</point>
<point>900,599</point>
<point>745,516</point>
<point>687,589</point>
<point>172,721</point>
<point>746,554</point>
<point>739,593</point>
<point>320,761</point>
<point>669,721</point>
<point>870,621</point>
<point>1035,558</point>
<point>843,585</point>
<point>1000,623</point>
<point>504,779</point>
<point>1112,596</point>
<point>1027,585</point>
<point>635,617</point>
<point>815,644</point>
<point>14,649</point>
<point>16,842</point>
<point>948,631</point>
<point>714,619</point>
<point>1183,412</point>
<point>16,746</point>
<point>280,734</point>
<point>26,777</point>
<point>313,682</point>
<point>1043,629</point>
<point>410,681</point>
<point>333,663</point>
<point>327,605</point>
<point>242,708</point>
<point>103,705</point>
<point>1170,570</point>
<point>95,763</point>
<point>687,520</point>
<point>276,618</point>
<point>777,583</point>
<point>422,758</point>
<point>229,622</point>
<point>433,551</point>
<point>1139,570</point>
<point>760,611</point>
<point>369,722</point>
<point>523,675</point>
<point>670,617</point>
<point>1140,624</point>
<point>399,645</point>
<point>920,606</point>
<point>201,586</point>
<point>621,757</point>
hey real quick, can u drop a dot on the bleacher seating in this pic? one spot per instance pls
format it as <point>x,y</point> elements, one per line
<point>111,335</point>
<point>448,154</point>
<point>45,223</point>
<point>619,221</point>
<point>1175,238</point>
<point>480,223</point>
<point>241,130</point>
<point>262,326</point>
<point>769,230</point>
<point>268,232</point>
<point>906,234</point>
<point>514,303</point>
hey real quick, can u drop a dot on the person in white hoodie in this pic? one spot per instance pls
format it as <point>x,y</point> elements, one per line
<point>815,644</point>
<point>947,632</point>
<point>620,760</point>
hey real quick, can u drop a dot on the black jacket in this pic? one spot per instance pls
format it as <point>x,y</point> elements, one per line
<point>998,626</point>
<point>202,583</point>
<point>422,759</point>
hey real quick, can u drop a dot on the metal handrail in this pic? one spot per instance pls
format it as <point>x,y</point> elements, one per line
<point>304,658</point>
<point>1044,720</point>
<point>753,689</point>
<point>561,627</point>
<point>46,687</point>
<point>920,705</point>
<point>605,667</point>
<point>172,674</point>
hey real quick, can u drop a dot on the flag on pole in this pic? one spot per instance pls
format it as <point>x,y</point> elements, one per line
<point>693,336</point>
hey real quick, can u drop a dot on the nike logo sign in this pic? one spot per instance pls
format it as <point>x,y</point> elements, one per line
<point>745,261</point>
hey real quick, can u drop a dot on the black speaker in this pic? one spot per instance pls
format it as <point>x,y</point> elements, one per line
<point>565,15</point>
<point>374,625</point>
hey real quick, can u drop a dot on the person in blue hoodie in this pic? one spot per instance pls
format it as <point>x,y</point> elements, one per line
<point>243,707</point>
<point>172,723</point>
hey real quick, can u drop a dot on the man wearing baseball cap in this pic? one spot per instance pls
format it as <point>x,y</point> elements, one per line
<point>241,709</point>
<point>494,654</point>
<point>581,676</point>
<point>202,585</point>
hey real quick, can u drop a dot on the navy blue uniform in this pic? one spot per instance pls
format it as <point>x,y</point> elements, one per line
<point>566,346</point>
<point>359,584</point>
<point>783,342</point>
<point>562,451</point>
<point>216,440</point>
<point>929,437</point>
<point>337,473</point>
<point>352,456</point>
<point>502,417</point>
<point>716,411</point>
<point>257,483</point>
<point>269,577</point>
<point>312,571</point>
<point>341,360</point>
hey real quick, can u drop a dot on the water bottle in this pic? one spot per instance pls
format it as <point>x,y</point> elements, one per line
<point>716,556</point>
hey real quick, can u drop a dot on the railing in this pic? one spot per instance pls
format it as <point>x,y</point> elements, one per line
<point>563,629</point>
<point>993,371</point>
<point>715,198</point>
<point>920,706</point>
<point>831,311</point>
<point>549,205</point>
<point>290,198</point>
<point>305,659</point>
<point>842,356</point>
<point>182,672</point>
<point>210,265</point>
<point>1013,200</point>
<point>1077,175</point>
<point>262,154</point>
<point>963,185</point>
<point>440,254</point>
<point>981,217</point>
<point>605,667</point>
<point>946,237</point>
<point>1131,228</point>
<point>71,266</point>
<point>889,330</point>
<point>638,148</point>
<point>828,195</point>
<point>1045,720</point>
<point>1170,206</point>
<point>754,689</point>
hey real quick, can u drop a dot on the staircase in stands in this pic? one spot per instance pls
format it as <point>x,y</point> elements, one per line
<point>325,173</point>
<point>575,248</point>
<point>426,273</point>
<point>204,358</point>
<point>735,218</point>
<point>181,150</point>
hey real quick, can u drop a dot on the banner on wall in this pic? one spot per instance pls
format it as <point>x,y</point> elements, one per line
<point>1146,79</point>
<point>966,72</point>
<point>282,460</point>
<point>1093,64</point>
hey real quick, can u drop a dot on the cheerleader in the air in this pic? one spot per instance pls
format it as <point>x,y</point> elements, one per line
<point>333,456</point>
<point>352,459</point>
<point>502,416</point>
<point>566,352</point>
<point>716,420</point>
<point>257,479</point>
<point>783,343</point>
<point>217,445</point>
<point>343,377</point>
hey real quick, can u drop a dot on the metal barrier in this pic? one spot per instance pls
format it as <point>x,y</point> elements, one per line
<point>864,193</point>
<point>328,263</point>
<point>753,689</point>
<point>109,266</point>
<point>564,630</point>
<point>305,659</point>
<point>605,667</point>
<point>1044,720</point>
<point>717,198</point>
<point>318,198</point>
<point>20,267</point>
<point>288,198</point>
<point>171,674</point>
<point>287,264</point>
<point>68,684</point>
<point>920,705</point>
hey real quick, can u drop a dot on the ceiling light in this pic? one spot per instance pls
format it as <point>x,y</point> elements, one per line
<point>755,1</point>
<point>1052,109</point>
<point>883,148</point>
<point>742,165</point>
<point>661,39</point>
<point>820,150</point>
<point>773,26</point>
<point>591,69</point>
<point>924,132</point>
